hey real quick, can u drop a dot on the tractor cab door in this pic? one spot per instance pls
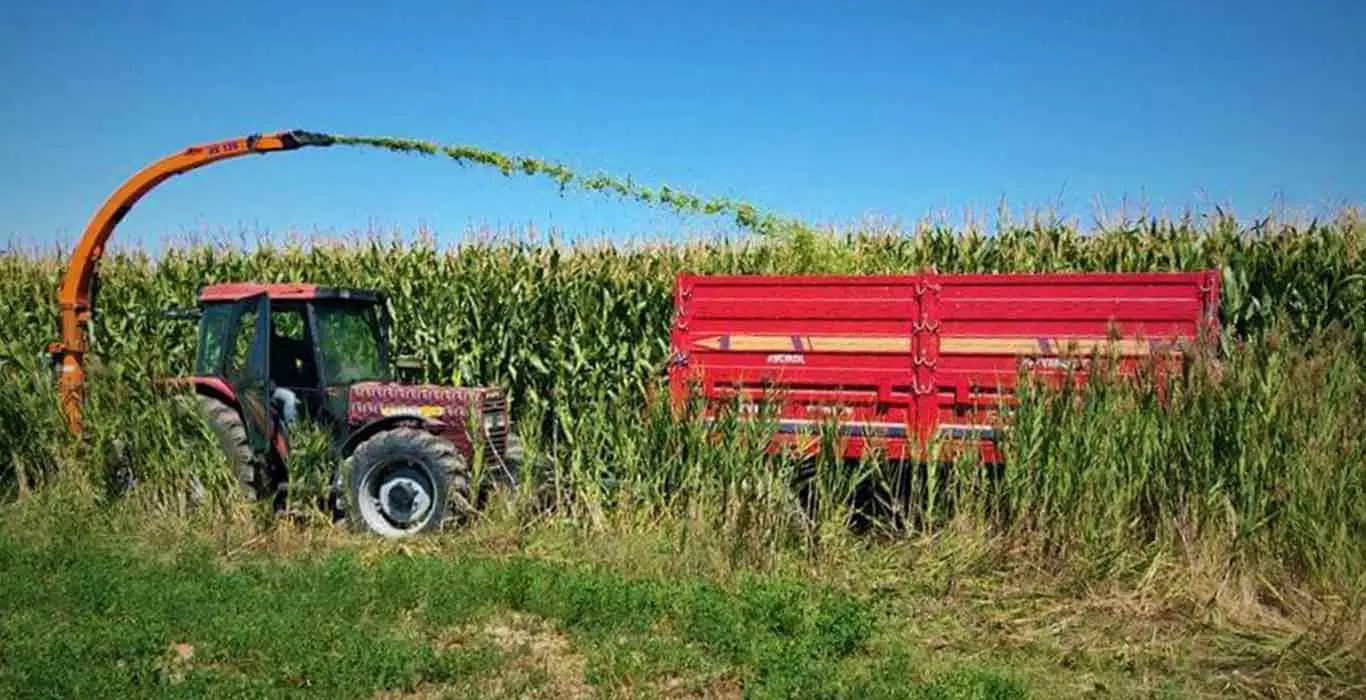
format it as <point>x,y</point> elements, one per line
<point>247,370</point>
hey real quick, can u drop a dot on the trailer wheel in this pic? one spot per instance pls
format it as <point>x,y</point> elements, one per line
<point>226,423</point>
<point>403,482</point>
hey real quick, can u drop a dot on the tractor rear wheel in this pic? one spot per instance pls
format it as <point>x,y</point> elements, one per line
<point>226,423</point>
<point>405,481</point>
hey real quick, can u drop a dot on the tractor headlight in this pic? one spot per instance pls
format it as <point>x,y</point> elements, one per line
<point>495,421</point>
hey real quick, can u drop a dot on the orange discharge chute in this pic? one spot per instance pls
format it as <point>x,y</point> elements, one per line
<point>74,296</point>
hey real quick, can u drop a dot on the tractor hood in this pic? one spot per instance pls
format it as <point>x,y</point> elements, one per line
<point>368,401</point>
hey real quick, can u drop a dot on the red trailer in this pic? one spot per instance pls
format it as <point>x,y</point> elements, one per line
<point>897,361</point>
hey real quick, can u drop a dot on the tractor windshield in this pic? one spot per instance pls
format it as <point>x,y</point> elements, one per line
<point>349,342</point>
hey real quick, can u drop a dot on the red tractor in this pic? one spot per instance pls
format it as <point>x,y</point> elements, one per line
<point>271,355</point>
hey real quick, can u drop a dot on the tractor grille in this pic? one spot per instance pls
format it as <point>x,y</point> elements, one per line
<point>495,435</point>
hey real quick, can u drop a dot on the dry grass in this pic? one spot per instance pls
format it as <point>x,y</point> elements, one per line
<point>536,661</point>
<point>534,647</point>
<point>1166,633</point>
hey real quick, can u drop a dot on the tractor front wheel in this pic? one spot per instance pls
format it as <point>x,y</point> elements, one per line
<point>404,481</point>
<point>226,423</point>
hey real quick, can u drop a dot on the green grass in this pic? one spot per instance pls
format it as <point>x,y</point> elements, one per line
<point>97,601</point>
<point>86,614</point>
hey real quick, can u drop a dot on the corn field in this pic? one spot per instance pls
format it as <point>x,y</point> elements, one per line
<point>1265,460</point>
<point>559,327</point>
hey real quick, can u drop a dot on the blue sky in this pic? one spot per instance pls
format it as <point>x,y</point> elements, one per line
<point>829,111</point>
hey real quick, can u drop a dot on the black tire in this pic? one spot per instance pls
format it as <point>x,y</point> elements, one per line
<point>404,481</point>
<point>226,423</point>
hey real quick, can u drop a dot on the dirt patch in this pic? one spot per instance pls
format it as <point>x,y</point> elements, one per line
<point>424,691</point>
<point>538,662</point>
<point>179,660</point>
<point>537,651</point>
<point>717,689</point>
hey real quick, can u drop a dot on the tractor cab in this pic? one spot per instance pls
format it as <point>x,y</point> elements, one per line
<point>321,340</point>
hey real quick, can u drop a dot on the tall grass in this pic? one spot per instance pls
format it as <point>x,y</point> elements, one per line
<point>1257,469</point>
<point>31,432</point>
<point>1255,462</point>
<point>141,440</point>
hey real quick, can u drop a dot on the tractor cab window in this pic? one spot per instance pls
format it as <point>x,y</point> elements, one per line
<point>349,342</point>
<point>291,349</point>
<point>214,328</point>
<point>239,361</point>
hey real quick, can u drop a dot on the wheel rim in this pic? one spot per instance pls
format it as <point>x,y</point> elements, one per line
<point>398,498</point>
